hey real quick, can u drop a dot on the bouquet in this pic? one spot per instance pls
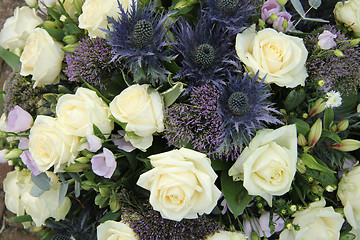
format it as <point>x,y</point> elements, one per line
<point>183,119</point>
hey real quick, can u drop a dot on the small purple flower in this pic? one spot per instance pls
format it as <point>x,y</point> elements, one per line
<point>261,225</point>
<point>283,23</point>
<point>3,152</point>
<point>104,164</point>
<point>93,143</point>
<point>269,7</point>
<point>326,40</point>
<point>121,143</point>
<point>18,120</point>
<point>23,143</point>
<point>30,163</point>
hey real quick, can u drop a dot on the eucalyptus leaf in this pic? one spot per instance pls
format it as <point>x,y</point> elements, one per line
<point>63,191</point>
<point>298,7</point>
<point>316,20</point>
<point>315,3</point>
<point>77,189</point>
<point>310,162</point>
<point>42,181</point>
<point>235,194</point>
<point>75,176</point>
<point>36,191</point>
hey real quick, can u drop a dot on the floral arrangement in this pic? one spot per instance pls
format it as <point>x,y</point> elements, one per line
<point>183,119</point>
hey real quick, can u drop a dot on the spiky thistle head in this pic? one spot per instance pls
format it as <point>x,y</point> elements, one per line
<point>244,109</point>
<point>231,14</point>
<point>138,37</point>
<point>92,60</point>
<point>205,51</point>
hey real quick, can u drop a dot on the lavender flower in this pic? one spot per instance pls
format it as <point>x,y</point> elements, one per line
<point>92,61</point>
<point>326,40</point>
<point>338,73</point>
<point>244,109</point>
<point>104,164</point>
<point>270,7</point>
<point>20,91</point>
<point>138,37</point>
<point>198,123</point>
<point>205,52</point>
<point>148,224</point>
<point>93,143</point>
<point>18,120</point>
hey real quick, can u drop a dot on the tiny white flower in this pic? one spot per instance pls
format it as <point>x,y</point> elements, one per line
<point>329,188</point>
<point>333,99</point>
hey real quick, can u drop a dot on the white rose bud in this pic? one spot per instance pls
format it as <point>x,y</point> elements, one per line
<point>18,27</point>
<point>42,58</point>
<point>115,230</point>
<point>349,14</point>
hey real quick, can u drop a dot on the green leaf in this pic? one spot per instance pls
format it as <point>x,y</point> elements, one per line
<point>110,216</point>
<point>95,90</point>
<point>10,58</point>
<point>90,175</point>
<point>298,7</point>
<point>173,93</point>
<point>77,189</point>
<point>235,194</point>
<point>42,181</point>
<point>72,28</point>
<point>315,3</point>
<point>77,167</point>
<point>97,132</point>
<point>20,219</point>
<point>327,134</point>
<point>218,164</point>
<point>294,99</point>
<point>50,97</point>
<point>310,162</point>
<point>123,125</point>
<point>58,34</point>
<point>316,20</point>
<point>301,126</point>
<point>328,117</point>
<point>62,192</point>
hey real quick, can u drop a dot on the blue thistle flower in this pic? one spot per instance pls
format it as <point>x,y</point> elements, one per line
<point>232,14</point>
<point>244,109</point>
<point>205,51</point>
<point>138,37</point>
<point>92,61</point>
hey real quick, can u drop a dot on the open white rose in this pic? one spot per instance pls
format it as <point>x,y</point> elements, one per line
<point>78,112</point>
<point>115,230</point>
<point>279,57</point>
<point>47,205</point>
<point>315,222</point>
<point>42,58</point>
<point>349,14</point>
<point>50,146</point>
<point>17,29</point>
<point>95,12</point>
<point>142,113</point>
<point>349,194</point>
<point>226,235</point>
<point>181,184</point>
<point>268,165</point>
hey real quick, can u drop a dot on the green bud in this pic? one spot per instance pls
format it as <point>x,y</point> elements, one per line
<point>315,132</point>
<point>317,189</point>
<point>301,140</point>
<point>305,115</point>
<point>114,205</point>
<point>83,140</point>
<point>321,83</point>
<point>343,125</point>
<point>87,185</point>
<point>338,53</point>
<point>283,111</point>
<point>318,107</point>
<point>355,42</point>
<point>181,4</point>
<point>15,153</point>
<point>300,166</point>
<point>333,128</point>
<point>293,208</point>
<point>347,145</point>
<point>273,17</point>
<point>285,24</point>
<point>82,160</point>
<point>329,188</point>
<point>70,39</point>
<point>70,48</point>
<point>49,24</point>
<point>104,191</point>
<point>77,167</point>
<point>282,2</point>
<point>254,236</point>
<point>100,200</point>
<point>261,23</point>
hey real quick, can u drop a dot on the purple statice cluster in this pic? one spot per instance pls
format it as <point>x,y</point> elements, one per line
<point>91,61</point>
<point>148,224</point>
<point>339,73</point>
<point>20,91</point>
<point>198,123</point>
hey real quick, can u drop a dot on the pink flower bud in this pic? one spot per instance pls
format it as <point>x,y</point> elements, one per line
<point>104,164</point>
<point>18,120</point>
<point>347,145</point>
<point>269,7</point>
<point>315,132</point>
<point>326,40</point>
<point>93,143</point>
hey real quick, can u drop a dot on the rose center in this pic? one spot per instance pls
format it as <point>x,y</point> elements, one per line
<point>142,34</point>
<point>238,103</point>
<point>228,6</point>
<point>204,55</point>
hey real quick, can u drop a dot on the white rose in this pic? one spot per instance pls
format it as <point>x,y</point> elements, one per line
<point>42,58</point>
<point>95,12</point>
<point>349,14</point>
<point>226,235</point>
<point>279,57</point>
<point>78,112</point>
<point>268,165</point>
<point>115,230</point>
<point>17,29</point>
<point>181,184</point>
<point>315,222</point>
<point>349,194</point>
<point>47,205</point>
<point>49,146</point>
<point>142,113</point>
